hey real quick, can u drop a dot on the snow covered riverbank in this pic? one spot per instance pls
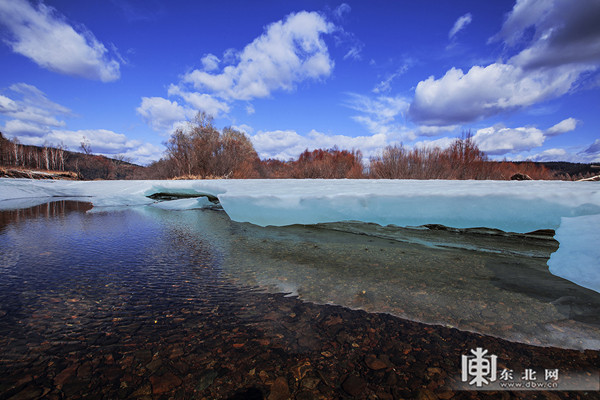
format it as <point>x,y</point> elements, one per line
<point>570,208</point>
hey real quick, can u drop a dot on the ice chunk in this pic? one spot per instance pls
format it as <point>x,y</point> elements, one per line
<point>578,258</point>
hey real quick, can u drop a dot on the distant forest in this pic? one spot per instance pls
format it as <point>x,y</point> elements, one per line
<point>200,151</point>
<point>83,165</point>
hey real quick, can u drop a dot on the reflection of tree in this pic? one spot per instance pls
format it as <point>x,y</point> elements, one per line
<point>48,210</point>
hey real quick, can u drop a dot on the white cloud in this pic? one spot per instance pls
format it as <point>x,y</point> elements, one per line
<point>289,52</point>
<point>379,115</point>
<point>441,143</point>
<point>230,56</point>
<point>7,105</point>
<point>31,105</point>
<point>18,128</point>
<point>341,11</point>
<point>385,108</point>
<point>210,62</point>
<point>594,148</point>
<point>250,109</point>
<point>548,155</point>
<point>566,125</point>
<point>144,153</point>
<point>386,84</point>
<point>285,145</point>
<point>163,115</point>
<point>485,91</point>
<point>354,52</point>
<point>101,140</point>
<point>590,154</point>
<point>498,139</point>
<point>460,24</point>
<point>43,35</point>
<point>247,129</point>
<point>200,101</point>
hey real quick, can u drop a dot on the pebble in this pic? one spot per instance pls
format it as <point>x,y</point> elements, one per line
<point>354,385</point>
<point>374,363</point>
<point>164,383</point>
<point>279,390</point>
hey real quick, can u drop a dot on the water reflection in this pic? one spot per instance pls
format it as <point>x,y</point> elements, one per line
<point>48,210</point>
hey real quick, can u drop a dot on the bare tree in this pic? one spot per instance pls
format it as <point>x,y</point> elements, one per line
<point>85,146</point>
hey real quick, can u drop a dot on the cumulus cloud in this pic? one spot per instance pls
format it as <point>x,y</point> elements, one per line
<point>548,155</point>
<point>288,52</point>
<point>200,101</point>
<point>485,91</point>
<point>497,140</point>
<point>162,114</point>
<point>43,35</point>
<point>556,45</point>
<point>288,144</point>
<point>460,24</point>
<point>566,125</point>
<point>279,144</point>
<point>210,62</point>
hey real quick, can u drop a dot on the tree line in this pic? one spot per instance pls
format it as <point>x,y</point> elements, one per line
<point>200,151</point>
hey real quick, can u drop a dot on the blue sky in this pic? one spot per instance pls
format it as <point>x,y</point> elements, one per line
<point>522,76</point>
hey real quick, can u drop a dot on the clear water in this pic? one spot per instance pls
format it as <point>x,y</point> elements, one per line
<point>477,280</point>
<point>74,279</point>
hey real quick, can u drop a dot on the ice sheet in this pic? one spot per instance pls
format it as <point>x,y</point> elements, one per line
<point>581,262</point>
<point>511,206</point>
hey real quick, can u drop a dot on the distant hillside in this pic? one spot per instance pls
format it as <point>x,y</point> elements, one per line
<point>51,158</point>
<point>568,169</point>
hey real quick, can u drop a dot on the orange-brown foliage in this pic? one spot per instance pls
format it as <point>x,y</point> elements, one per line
<point>462,160</point>
<point>328,164</point>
